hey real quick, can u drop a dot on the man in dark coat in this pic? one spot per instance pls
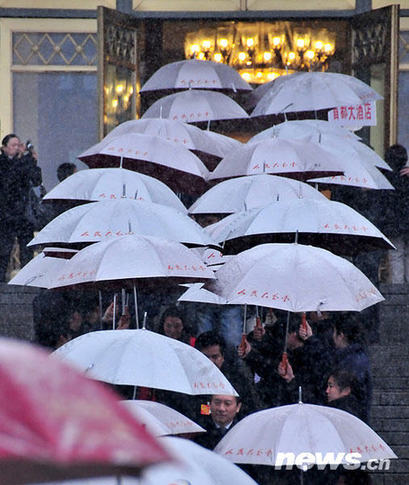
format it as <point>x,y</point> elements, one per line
<point>19,172</point>
<point>213,346</point>
<point>222,416</point>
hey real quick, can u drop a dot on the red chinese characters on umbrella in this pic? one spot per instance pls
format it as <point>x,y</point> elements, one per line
<point>209,385</point>
<point>272,165</point>
<point>263,294</point>
<point>361,114</point>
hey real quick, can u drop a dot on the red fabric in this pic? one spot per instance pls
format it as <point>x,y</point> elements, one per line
<point>51,413</point>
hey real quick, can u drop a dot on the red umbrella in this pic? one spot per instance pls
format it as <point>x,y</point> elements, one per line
<point>56,424</point>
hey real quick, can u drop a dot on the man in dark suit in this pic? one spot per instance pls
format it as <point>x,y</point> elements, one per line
<point>223,415</point>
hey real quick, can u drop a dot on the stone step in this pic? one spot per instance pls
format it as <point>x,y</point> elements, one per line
<point>389,479</point>
<point>388,424</point>
<point>392,383</point>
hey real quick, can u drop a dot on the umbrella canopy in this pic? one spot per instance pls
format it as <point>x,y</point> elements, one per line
<point>195,105</point>
<point>161,420</point>
<point>151,155</point>
<point>357,175</point>
<point>296,278</point>
<point>180,133</point>
<point>245,193</point>
<point>100,184</point>
<point>212,463</point>
<point>194,74</point>
<point>99,221</point>
<point>320,222</point>
<point>196,466</point>
<point>40,272</point>
<point>293,158</point>
<point>262,436</point>
<point>332,138</point>
<point>312,91</point>
<point>196,293</point>
<point>133,259</point>
<point>144,358</point>
<point>301,129</point>
<point>55,424</point>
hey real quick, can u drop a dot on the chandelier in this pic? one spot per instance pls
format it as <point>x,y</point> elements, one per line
<point>262,51</point>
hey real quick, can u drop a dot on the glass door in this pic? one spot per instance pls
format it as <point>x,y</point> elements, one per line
<point>118,74</point>
<point>375,38</point>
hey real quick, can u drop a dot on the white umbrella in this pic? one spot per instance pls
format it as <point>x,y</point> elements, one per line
<point>101,184</point>
<point>356,175</point>
<point>312,91</point>
<point>195,105</point>
<point>245,193</point>
<point>305,128</point>
<point>262,436</point>
<point>136,259</point>
<point>161,420</point>
<point>321,222</point>
<point>296,278</point>
<point>333,138</point>
<point>144,358</point>
<point>151,155</point>
<point>196,293</point>
<point>99,221</point>
<point>196,74</point>
<point>195,466</point>
<point>185,134</point>
<point>297,159</point>
<point>40,272</point>
<point>212,463</point>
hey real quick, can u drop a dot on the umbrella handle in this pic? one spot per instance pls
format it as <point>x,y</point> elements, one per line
<point>258,322</point>
<point>304,321</point>
<point>243,343</point>
<point>284,361</point>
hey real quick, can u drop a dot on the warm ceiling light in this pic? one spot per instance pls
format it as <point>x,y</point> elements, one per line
<point>262,47</point>
<point>250,42</point>
<point>300,43</point>
<point>267,56</point>
<point>310,55</point>
<point>119,88</point>
<point>223,43</point>
<point>276,41</point>
<point>328,48</point>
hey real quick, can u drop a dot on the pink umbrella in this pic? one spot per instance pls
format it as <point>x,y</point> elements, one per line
<point>55,424</point>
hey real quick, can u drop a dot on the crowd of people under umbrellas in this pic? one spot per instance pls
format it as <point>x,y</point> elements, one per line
<point>327,357</point>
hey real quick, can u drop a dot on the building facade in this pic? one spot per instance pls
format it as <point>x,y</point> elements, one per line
<point>55,68</point>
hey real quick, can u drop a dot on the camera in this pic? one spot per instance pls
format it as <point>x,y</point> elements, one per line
<point>29,146</point>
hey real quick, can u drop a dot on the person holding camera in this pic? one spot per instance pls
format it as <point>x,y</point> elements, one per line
<point>19,173</point>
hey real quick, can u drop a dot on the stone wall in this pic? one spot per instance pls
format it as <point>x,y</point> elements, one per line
<point>390,368</point>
